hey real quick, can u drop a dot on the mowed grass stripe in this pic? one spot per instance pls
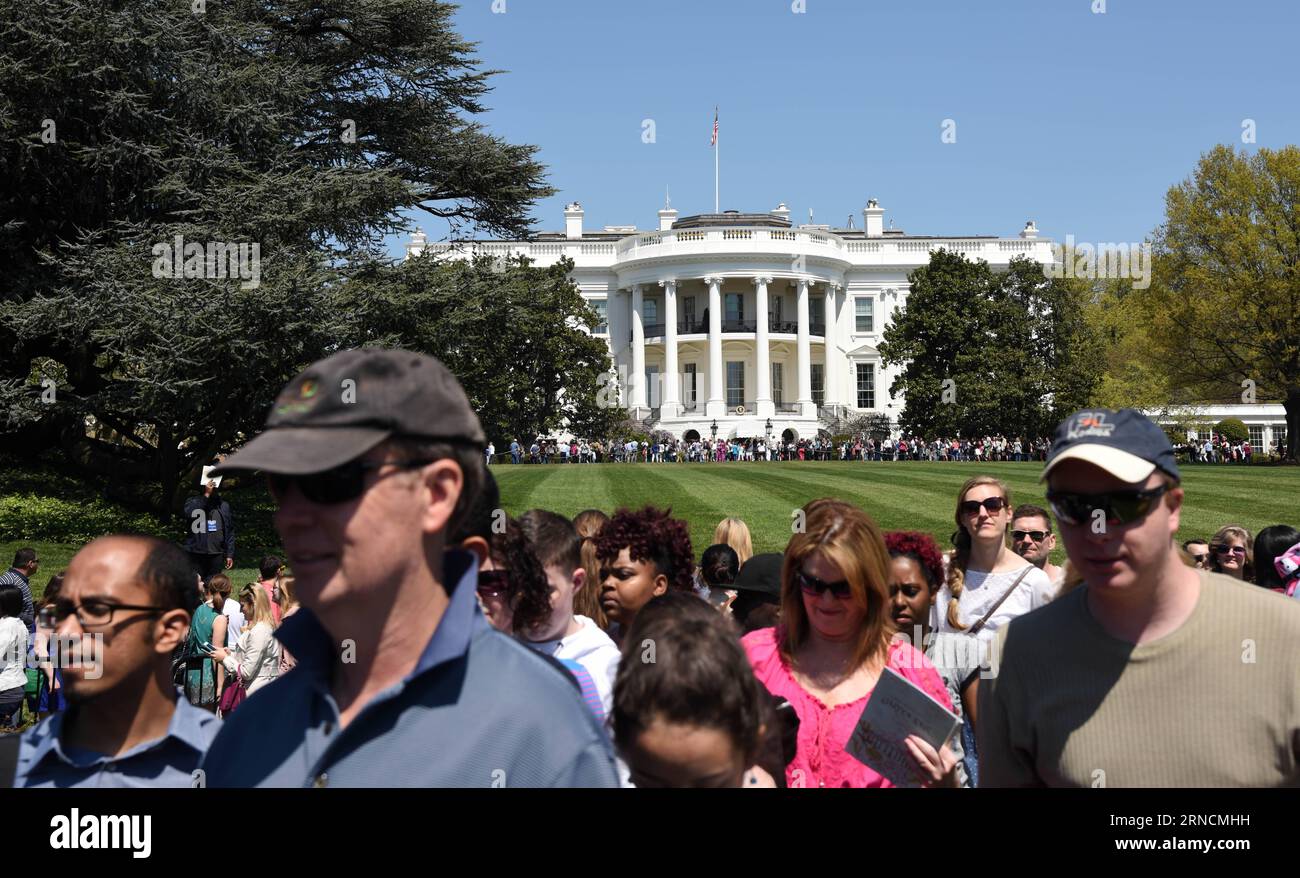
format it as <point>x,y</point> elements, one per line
<point>899,495</point>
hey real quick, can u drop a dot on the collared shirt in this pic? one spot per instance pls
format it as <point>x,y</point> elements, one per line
<point>479,709</point>
<point>170,761</point>
<point>14,576</point>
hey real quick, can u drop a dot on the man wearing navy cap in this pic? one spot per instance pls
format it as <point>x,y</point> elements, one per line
<point>373,456</point>
<point>1150,673</point>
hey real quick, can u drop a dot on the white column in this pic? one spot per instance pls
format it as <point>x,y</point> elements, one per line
<point>763,400</point>
<point>805,353</point>
<point>716,405</point>
<point>636,381</point>
<point>671,402</point>
<point>831,374</point>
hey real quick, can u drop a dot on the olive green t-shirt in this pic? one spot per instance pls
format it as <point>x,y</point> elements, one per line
<point>1215,703</point>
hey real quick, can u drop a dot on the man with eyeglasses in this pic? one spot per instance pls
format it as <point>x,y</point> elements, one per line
<point>1033,540</point>
<point>1199,552</point>
<point>125,606</point>
<point>1150,673</point>
<point>373,456</point>
<point>19,575</point>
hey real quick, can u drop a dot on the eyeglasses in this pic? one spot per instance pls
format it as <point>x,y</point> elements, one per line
<point>1036,535</point>
<point>1200,559</point>
<point>1230,550</point>
<point>992,504</point>
<point>493,583</point>
<point>811,585</point>
<point>1121,507</point>
<point>90,614</point>
<point>338,485</point>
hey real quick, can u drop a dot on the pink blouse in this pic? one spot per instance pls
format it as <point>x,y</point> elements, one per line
<point>820,758</point>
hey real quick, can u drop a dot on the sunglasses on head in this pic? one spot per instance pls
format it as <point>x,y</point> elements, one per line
<point>1121,507</point>
<point>1036,535</point>
<point>992,504</point>
<point>811,585</point>
<point>338,485</point>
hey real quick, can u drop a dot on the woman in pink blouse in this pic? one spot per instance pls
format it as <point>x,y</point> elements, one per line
<point>835,640</point>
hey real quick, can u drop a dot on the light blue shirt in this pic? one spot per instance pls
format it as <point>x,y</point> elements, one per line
<point>480,709</point>
<point>169,761</point>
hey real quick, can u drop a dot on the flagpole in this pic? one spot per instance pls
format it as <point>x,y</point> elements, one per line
<point>716,148</point>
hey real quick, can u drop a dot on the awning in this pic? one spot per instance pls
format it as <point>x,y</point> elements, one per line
<point>749,430</point>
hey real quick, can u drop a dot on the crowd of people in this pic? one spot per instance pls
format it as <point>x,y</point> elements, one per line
<point>665,448</point>
<point>604,650</point>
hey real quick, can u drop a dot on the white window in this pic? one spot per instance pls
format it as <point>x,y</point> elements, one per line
<point>601,307</point>
<point>864,310</point>
<point>866,385</point>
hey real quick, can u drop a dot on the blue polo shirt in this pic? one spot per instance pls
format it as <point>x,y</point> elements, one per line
<point>169,761</point>
<point>479,709</point>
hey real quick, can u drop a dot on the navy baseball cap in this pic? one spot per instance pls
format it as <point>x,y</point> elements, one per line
<point>1126,443</point>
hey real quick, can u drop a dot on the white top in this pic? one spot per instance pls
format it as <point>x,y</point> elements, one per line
<point>232,610</point>
<point>594,650</point>
<point>13,653</point>
<point>982,590</point>
<point>1044,594</point>
<point>256,658</point>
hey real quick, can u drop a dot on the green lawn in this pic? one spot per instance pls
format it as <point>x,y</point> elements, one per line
<point>909,495</point>
<point>904,495</point>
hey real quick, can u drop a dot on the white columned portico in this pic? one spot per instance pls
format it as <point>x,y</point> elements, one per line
<point>636,381</point>
<point>716,405</point>
<point>830,374</point>
<point>671,403</point>
<point>763,366</point>
<point>806,404</point>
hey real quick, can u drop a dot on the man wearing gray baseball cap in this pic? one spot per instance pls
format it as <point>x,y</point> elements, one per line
<point>1150,673</point>
<point>372,456</point>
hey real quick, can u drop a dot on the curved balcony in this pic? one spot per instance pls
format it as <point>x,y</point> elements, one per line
<point>731,240</point>
<point>733,327</point>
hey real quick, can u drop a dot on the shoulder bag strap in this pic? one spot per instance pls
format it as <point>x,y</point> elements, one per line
<point>975,629</point>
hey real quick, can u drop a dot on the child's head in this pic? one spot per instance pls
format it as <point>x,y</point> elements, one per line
<point>642,554</point>
<point>688,711</point>
<point>555,542</point>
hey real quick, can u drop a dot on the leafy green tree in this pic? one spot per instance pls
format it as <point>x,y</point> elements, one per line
<point>1233,429</point>
<point>304,127</point>
<point>987,352</point>
<point>1224,305</point>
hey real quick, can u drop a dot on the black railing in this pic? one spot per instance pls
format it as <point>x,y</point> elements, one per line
<point>654,329</point>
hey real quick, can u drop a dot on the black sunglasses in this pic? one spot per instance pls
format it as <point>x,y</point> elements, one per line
<point>811,585</point>
<point>1121,507</point>
<point>992,504</point>
<point>493,583</point>
<point>338,485</point>
<point>1036,535</point>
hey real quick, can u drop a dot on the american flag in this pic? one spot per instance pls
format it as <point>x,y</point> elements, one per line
<point>714,141</point>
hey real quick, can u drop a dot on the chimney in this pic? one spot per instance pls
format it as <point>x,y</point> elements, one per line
<point>667,217</point>
<point>873,219</point>
<point>417,243</point>
<point>1030,231</point>
<point>573,220</point>
<point>782,211</point>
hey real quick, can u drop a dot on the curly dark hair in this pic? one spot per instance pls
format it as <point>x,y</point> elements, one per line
<point>653,536</point>
<point>922,549</point>
<point>530,592</point>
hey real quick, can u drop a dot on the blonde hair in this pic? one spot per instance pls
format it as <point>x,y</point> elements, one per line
<point>735,533</point>
<point>847,537</point>
<point>961,554</point>
<point>288,599</point>
<point>587,601</point>
<point>256,595</point>
<point>1221,537</point>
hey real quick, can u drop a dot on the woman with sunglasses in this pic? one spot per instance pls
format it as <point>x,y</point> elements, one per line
<point>1230,553</point>
<point>835,640</point>
<point>256,658</point>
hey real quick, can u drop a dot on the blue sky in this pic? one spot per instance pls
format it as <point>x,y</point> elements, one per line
<point>1080,121</point>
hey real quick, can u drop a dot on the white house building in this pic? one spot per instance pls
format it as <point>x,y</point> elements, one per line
<point>740,324</point>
